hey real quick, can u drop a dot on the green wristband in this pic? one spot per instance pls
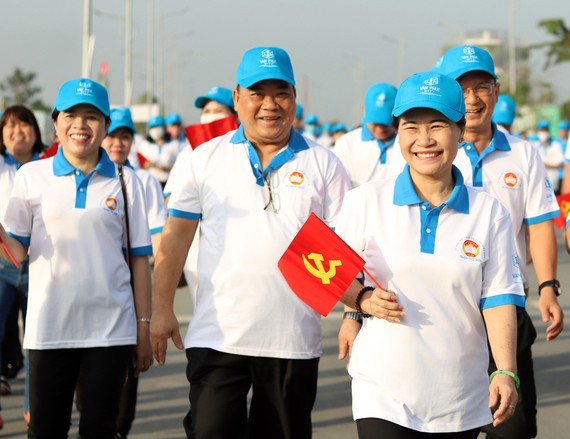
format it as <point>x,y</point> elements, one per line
<point>509,373</point>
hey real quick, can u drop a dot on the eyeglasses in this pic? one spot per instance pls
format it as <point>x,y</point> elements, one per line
<point>482,90</point>
<point>273,198</point>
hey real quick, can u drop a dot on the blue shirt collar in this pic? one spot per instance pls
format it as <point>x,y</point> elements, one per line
<point>104,166</point>
<point>296,143</point>
<point>11,160</point>
<point>405,194</point>
<point>498,142</point>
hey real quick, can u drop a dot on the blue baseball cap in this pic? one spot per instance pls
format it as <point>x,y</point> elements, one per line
<point>505,110</point>
<point>464,59</point>
<point>173,119</point>
<point>312,119</point>
<point>379,103</point>
<point>338,127</point>
<point>564,125</point>
<point>156,121</point>
<point>121,118</point>
<point>262,63</point>
<point>82,91</point>
<point>299,111</point>
<point>327,127</point>
<point>543,125</point>
<point>431,90</point>
<point>219,94</point>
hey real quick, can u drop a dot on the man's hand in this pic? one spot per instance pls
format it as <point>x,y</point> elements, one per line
<point>348,331</point>
<point>502,393</point>
<point>551,311</point>
<point>382,304</point>
<point>163,326</point>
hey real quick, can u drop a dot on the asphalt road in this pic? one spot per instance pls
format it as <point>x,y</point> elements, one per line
<point>163,390</point>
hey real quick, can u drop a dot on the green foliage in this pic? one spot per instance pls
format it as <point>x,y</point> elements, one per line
<point>558,51</point>
<point>18,89</point>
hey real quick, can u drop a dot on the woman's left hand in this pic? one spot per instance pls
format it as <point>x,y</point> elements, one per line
<point>502,393</point>
<point>144,349</point>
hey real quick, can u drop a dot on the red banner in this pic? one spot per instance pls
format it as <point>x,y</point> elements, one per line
<point>201,133</point>
<point>564,203</point>
<point>319,266</point>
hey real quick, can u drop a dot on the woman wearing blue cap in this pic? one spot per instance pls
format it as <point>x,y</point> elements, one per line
<point>445,254</point>
<point>77,217</point>
<point>20,143</point>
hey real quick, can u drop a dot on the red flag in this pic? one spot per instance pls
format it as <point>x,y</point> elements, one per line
<point>200,133</point>
<point>142,159</point>
<point>319,266</point>
<point>564,203</point>
<point>51,151</point>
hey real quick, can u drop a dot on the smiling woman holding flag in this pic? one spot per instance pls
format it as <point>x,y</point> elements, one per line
<point>446,254</point>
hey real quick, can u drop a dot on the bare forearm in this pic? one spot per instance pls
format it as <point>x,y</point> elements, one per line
<point>350,295</point>
<point>501,322</point>
<point>142,282</point>
<point>18,250</point>
<point>544,250</point>
<point>175,243</point>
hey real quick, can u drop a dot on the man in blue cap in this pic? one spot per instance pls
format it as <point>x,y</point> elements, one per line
<point>551,152</point>
<point>365,152</point>
<point>249,190</point>
<point>511,170</point>
<point>504,113</point>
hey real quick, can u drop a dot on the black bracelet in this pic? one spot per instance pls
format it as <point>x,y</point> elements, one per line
<point>359,298</point>
<point>554,283</point>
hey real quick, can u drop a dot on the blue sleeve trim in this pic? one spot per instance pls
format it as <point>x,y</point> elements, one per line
<point>156,230</point>
<point>184,215</point>
<point>25,241</point>
<point>541,218</point>
<point>503,299</point>
<point>167,194</point>
<point>142,251</point>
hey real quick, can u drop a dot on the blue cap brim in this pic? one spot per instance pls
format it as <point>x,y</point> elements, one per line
<point>451,113</point>
<point>252,80</point>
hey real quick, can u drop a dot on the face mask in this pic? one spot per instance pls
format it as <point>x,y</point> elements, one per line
<point>211,117</point>
<point>156,133</point>
<point>543,136</point>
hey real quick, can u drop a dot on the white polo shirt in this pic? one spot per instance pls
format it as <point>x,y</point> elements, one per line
<point>445,264</point>
<point>7,172</point>
<point>154,200</point>
<point>163,155</point>
<point>178,170</point>
<point>364,157</point>
<point>79,294</point>
<point>244,305</point>
<point>512,171</point>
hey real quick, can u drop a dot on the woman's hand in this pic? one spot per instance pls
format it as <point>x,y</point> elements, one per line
<point>502,393</point>
<point>382,304</point>
<point>144,349</point>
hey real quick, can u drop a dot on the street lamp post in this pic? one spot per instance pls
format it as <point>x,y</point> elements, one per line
<point>87,40</point>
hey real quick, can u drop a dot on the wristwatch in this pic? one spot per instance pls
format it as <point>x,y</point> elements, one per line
<point>554,283</point>
<point>353,315</point>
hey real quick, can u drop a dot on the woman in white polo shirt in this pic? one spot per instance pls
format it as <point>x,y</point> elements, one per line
<point>445,253</point>
<point>69,211</point>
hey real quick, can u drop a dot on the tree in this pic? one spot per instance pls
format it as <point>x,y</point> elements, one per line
<point>18,89</point>
<point>559,49</point>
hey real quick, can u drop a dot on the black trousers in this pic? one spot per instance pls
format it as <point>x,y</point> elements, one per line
<point>284,393</point>
<point>522,425</point>
<point>53,376</point>
<point>373,428</point>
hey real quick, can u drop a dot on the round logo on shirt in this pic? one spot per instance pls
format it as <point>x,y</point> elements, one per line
<point>510,179</point>
<point>111,203</point>
<point>296,178</point>
<point>471,248</point>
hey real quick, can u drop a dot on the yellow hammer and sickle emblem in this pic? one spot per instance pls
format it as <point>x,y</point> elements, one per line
<point>565,207</point>
<point>318,270</point>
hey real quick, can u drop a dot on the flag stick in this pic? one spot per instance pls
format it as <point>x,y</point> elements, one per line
<point>10,254</point>
<point>373,279</point>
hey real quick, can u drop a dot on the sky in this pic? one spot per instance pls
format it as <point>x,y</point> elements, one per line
<point>338,47</point>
